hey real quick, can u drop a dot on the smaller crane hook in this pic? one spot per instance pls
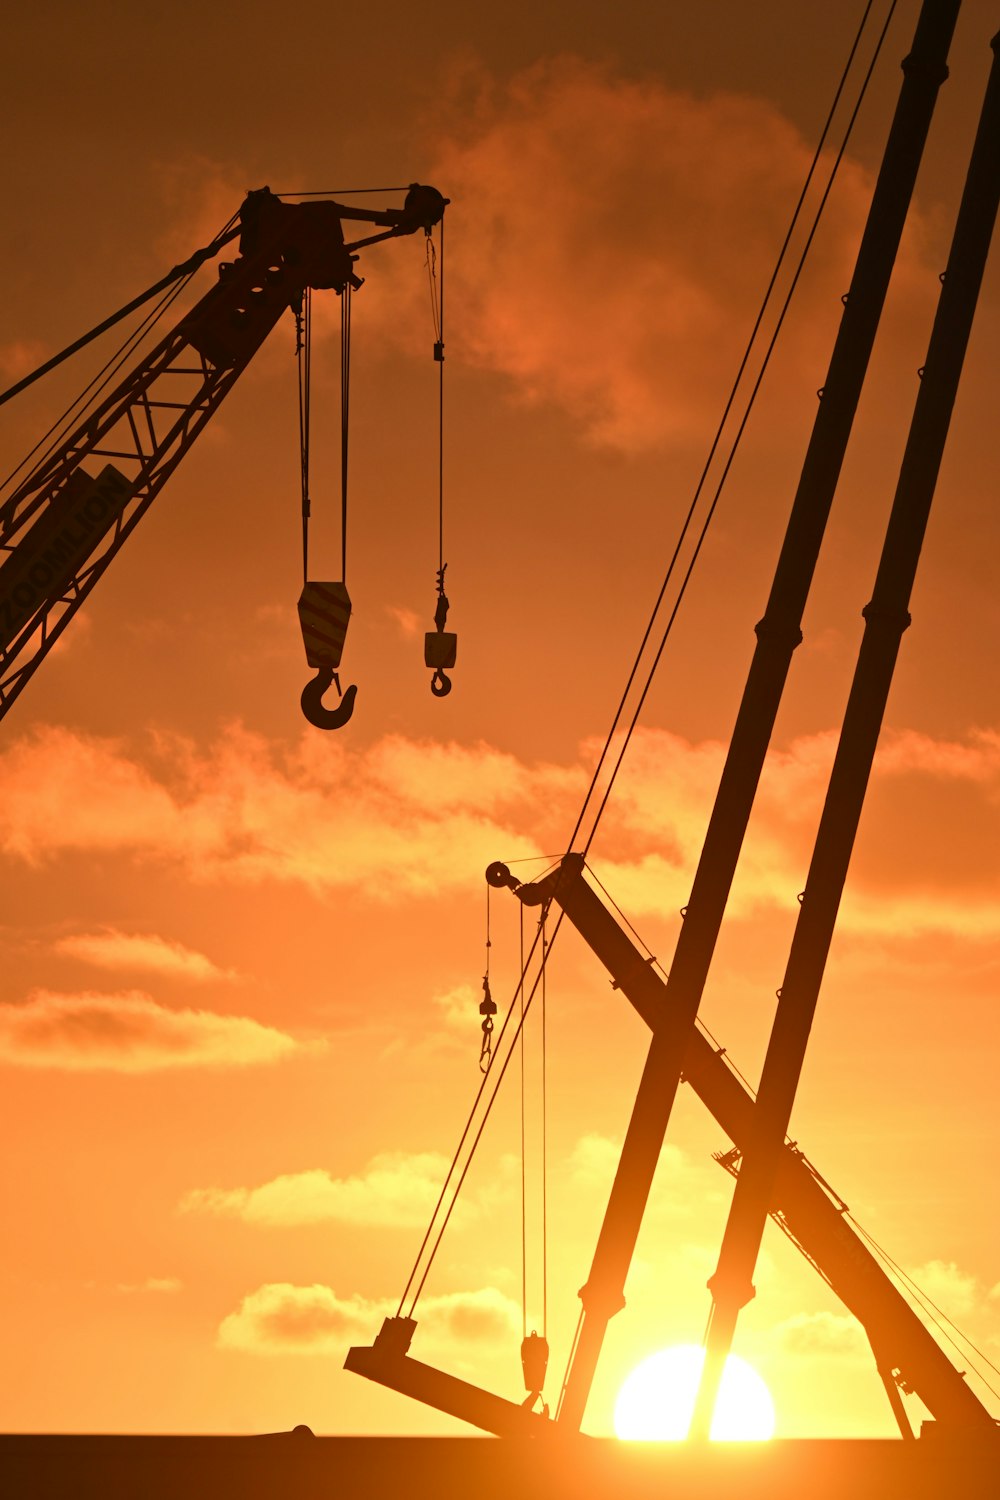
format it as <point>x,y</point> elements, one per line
<point>314,708</point>
<point>440,645</point>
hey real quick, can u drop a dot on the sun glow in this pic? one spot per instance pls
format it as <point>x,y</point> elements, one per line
<point>656,1401</point>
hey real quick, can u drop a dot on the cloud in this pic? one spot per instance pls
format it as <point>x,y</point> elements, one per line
<point>19,357</point>
<point>656,824</point>
<point>407,621</point>
<point>594,1160</point>
<point>394,1191</point>
<point>679,1186</point>
<point>130,1033</point>
<point>141,951</point>
<point>954,1291</point>
<point>280,1318</point>
<point>459,1008</point>
<point>976,761</point>
<point>200,195</point>
<point>822,1333</point>
<point>422,817</point>
<point>77,639</point>
<point>481,1317</point>
<point>426,818</point>
<point>591,258</point>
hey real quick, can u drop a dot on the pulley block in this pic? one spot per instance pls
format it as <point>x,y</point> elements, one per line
<point>324,612</point>
<point>440,648</point>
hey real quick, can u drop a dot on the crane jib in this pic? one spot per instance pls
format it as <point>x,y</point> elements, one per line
<point>58,544</point>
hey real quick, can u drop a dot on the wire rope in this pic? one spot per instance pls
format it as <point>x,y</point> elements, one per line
<point>342,192</point>
<point>727,410</point>
<point>542,989</point>
<point>345,404</point>
<point>476,1138</point>
<point>545,1132</point>
<point>569,1361</point>
<point>729,462</point>
<point>304,352</point>
<point>437,309</point>
<point>470,1120</point>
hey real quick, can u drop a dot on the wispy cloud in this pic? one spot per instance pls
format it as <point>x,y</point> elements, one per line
<point>407,621</point>
<point>957,1293</point>
<point>394,1191</point>
<point>421,817</point>
<point>623,303</point>
<point>822,1333</point>
<point>147,952</point>
<point>678,1190</point>
<point>160,1286</point>
<point>459,1008</point>
<point>130,1033</point>
<point>19,358</point>
<point>426,817</point>
<point>953,1290</point>
<point>281,1318</point>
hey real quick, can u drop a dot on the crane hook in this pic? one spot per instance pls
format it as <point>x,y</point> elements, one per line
<point>314,708</point>
<point>440,645</point>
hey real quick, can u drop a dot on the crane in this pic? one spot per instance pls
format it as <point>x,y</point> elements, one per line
<point>773,1176</point>
<point>64,524</point>
<point>802,1203</point>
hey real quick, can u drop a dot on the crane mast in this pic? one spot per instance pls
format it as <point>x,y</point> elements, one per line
<point>63,525</point>
<point>778,634</point>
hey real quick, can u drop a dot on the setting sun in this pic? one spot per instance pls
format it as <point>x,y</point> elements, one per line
<point>656,1401</point>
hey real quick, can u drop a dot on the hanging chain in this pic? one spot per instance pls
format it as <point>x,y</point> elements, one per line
<point>487,1006</point>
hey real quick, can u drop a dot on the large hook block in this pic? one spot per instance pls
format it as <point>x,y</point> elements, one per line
<point>324,611</point>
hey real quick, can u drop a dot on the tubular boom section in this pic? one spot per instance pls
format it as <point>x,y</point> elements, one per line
<point>886,618</point>
<point>778,633</point>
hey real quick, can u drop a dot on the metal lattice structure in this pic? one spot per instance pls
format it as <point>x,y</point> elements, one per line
<point>69,519</point>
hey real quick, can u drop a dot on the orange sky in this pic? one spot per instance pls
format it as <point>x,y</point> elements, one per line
<point>239,1028</point>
